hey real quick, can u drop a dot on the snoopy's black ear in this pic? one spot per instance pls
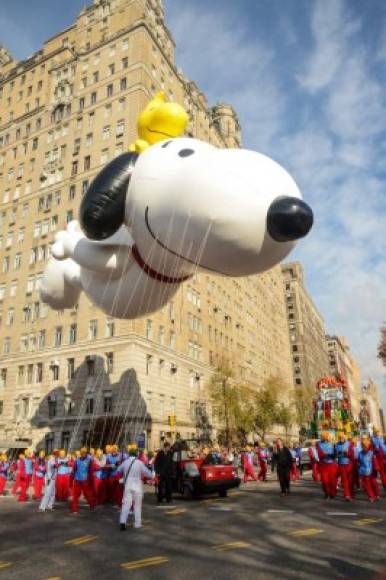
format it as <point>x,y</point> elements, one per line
<point>102,210</point>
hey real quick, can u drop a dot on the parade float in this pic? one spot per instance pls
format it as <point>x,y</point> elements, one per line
<point>332,408</point>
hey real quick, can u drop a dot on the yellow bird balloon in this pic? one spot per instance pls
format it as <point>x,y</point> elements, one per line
<point>158,121</point>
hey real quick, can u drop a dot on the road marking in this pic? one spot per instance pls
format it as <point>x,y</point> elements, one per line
<point>4,565</point>
<point>342,513</point>
<point>280,511</point>
<point>234,493</point>
<point>81,540</point>
<point>53,578</point>
<point>230,546</point>
<point>367,521</point>
<point>176,512</point>
<point>306,532</point>
<point>154,561</point>
<point>220,508</point>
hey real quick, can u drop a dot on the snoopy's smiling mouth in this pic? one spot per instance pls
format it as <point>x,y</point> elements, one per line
<point>160,243</point>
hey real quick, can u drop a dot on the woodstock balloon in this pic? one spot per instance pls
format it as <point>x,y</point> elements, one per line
<point>149,220</point>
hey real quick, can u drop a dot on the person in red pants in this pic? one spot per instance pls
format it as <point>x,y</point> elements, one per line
<point>114,488</point>
<point>82,481</point>
<point>99,477</point>
<point>40,469</point>
<point>345,456</point>
<point>368,467</point>
<point>63,477</point>
<point>382,463</point>
<point>327,465</point>
<point>263,456</point>
<point>27,468</point>
<point>4,467</point>
<point>314,458</point>
<point>18,474</point>
<point>295,476</point>
<point>247,463</point>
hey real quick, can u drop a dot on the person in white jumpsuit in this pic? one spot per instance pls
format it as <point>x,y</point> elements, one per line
<point>48,498</point>
<point>132,470</point>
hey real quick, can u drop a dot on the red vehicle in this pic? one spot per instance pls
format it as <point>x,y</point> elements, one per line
<point>195,477</point>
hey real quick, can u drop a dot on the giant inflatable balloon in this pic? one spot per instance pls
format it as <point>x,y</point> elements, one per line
<point>149,220</point>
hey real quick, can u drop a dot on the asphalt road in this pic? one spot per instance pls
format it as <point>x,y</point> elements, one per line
<point>252,534</point>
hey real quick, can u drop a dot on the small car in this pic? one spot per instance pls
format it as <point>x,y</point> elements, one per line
<point>199,476</point>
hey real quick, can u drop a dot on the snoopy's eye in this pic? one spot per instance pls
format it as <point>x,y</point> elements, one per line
<point>165,144</point>
<point>185,152</point>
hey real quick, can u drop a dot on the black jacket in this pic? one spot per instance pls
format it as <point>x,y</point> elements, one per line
<point>283,459</point>
<point>163,464</point>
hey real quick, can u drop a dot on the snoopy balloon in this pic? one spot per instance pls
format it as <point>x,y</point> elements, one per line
<point>148,221</point>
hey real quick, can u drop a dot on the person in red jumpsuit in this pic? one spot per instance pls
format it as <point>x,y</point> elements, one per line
<point>314,458</point>
<point>247,463</point>
<point>263,456</point>
<point>19,469</point>
<point>26,472</point>
<point>382,463</point>
<point>63,477</point>
<point>82,481</point>
<point>114,488</point>
<point>327,465</point>
<point>99,477</point>
<point>295,475</point>
<point>4,468</point>
<point>345,456</point>
<point>40,469</point>
<point>368,467</point>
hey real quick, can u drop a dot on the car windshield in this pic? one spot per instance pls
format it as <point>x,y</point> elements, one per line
<point>212,459</point>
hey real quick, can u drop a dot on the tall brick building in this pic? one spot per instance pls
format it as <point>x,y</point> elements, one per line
<point>79,376</point>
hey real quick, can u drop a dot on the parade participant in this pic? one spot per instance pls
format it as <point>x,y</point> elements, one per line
<point>142,456</point>
<point>382,463</point>
<point>376,441</point>
<point>27,467</point>
<point>133,471</point>
<point>345,456</point>
<point>327,466</point>
<point>368,466</point>
<point>48,500</point>
<point>99,477</point>
<point>4,467</point>
<point>18,471</point>
<point>263,456</point>
<point>247,463</point>
<point>113,487</point>
<point>63,477</point>
<point>40,469</point>
<point>163,467</point>
<point>283,461</point>
<point>295,461</point>
<point>299,462</point>
<point>355,482</point>
<point>314,458</point>
<point>82,481</point>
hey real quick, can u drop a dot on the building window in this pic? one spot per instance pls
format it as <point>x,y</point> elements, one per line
<point>87,163</point>
<point>30,373</point>
<point>110,90</point>
<point>1,407</point>
<point>107,403</point>
<point>73,333</point>
<point>125,62</point>
<point>172,339</point>
<point>20,375</point>
<point>149,329</point>
<point>42,339</point>
<point>55,372</point>
<point>298,381</point>
<point>123,84</point>
<point>39,372</point>
<point>58,336</point>
<point>7,345</point>
<point>110,362</point>
<point>74,168</point>
<point>89,405</point>
<point>120,128</point>
<point>70,368</point>
<point>72,192</point>
<point>52,407</point>
<point>90,367</point>
<point>3,378</point>
<point>65,441</point>
<point>93,329</point>
<point>110,327</point>
<point>161,335</point>
<point>294,348</point>
<point>81,104</point>
<point>149,360</point>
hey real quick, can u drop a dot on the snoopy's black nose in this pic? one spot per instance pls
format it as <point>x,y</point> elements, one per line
<point>289,219</point>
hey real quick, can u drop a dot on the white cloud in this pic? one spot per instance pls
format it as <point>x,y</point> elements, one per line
<point>334,149</point>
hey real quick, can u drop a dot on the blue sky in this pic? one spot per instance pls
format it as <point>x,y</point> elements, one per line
<point>308,79</point>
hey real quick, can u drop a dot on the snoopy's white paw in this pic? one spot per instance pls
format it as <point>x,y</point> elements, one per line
<point>63,246</point>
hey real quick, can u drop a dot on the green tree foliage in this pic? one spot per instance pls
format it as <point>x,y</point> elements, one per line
<point>285,417</point>
<point>266,407</point>
<point>231,403</point>
<point>304,409</point>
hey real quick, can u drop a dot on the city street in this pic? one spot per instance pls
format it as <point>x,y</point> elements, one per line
<point>254,533</point>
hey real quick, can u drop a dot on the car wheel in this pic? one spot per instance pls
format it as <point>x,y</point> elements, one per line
<point>223,493</point>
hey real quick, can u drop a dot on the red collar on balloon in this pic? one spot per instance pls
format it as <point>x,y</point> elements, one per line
<point>153,273</point>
